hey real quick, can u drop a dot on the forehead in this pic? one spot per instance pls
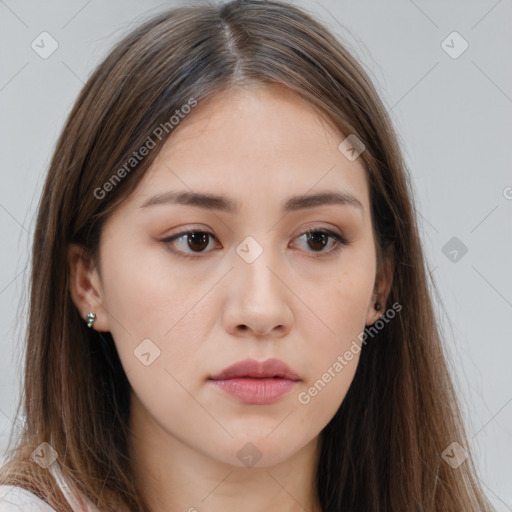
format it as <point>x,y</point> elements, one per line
<point>261,119</point>
<point>263,142</point>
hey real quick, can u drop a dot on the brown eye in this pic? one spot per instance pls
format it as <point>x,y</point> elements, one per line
<point>196,242</point>
<point>317,240</point>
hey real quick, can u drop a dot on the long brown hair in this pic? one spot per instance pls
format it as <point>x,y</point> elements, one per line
<point>382,451</point>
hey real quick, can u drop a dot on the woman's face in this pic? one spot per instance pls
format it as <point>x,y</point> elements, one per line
<point>249,285</point>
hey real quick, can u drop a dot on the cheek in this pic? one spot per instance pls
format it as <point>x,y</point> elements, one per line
<point>139,289</point>
<point>334,343</point>
<point>340,303</point>
<point>321,397</point>
<point>333,358</point>
<point>146,299</point>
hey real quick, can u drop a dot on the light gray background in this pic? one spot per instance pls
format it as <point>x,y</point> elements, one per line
<point>454,119</point>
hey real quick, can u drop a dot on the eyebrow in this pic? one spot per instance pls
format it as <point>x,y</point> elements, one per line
<point>224,204</point>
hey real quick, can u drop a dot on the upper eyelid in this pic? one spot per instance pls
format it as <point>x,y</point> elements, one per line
<point>339,239</point>
<point>199,228</point>
<point>188,231</point>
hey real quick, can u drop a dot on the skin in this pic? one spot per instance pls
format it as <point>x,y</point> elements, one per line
<point>257,145</point>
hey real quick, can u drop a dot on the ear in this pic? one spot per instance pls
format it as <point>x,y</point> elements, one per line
<point>85,287</point>
<point>382,287</point>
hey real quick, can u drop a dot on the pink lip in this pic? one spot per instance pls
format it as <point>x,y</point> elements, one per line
<point>255,382</point>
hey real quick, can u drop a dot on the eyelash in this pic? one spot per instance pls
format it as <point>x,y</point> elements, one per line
<point>339,242</point>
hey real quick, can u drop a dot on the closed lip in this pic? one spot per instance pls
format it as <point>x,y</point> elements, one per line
<point>257,369</point>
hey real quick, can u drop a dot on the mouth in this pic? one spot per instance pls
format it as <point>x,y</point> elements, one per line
<point>256,383</point>
<point>250,368</point>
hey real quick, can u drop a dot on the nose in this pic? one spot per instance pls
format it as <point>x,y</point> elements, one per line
<point>258,302</point>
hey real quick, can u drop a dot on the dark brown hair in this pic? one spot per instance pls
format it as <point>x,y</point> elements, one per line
<point>382,450</point>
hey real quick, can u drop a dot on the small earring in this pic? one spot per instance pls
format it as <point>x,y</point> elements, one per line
<point>377,306</point>
<point>91,317</point>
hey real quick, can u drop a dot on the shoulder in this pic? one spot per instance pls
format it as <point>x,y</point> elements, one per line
<point>16,499</point>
